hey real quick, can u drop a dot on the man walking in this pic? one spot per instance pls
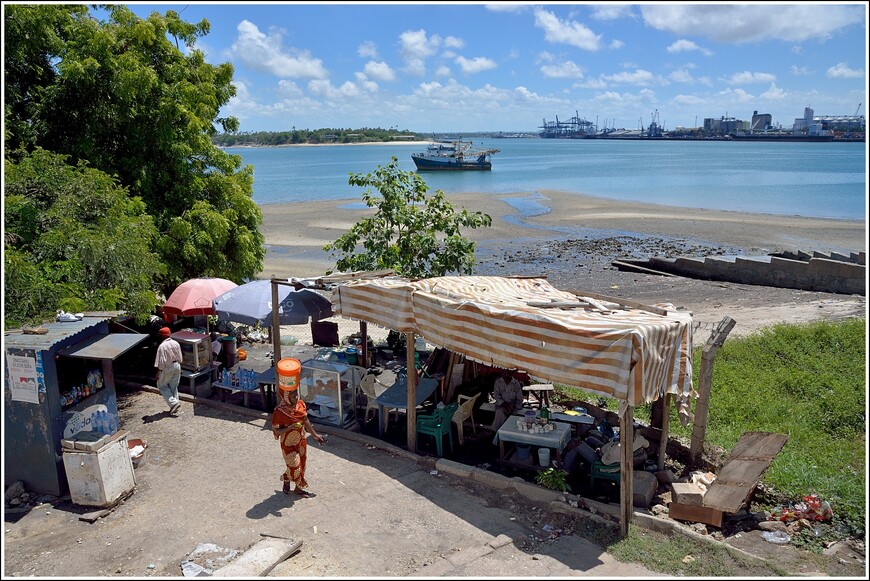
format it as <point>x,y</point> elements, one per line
<point>168,364</point>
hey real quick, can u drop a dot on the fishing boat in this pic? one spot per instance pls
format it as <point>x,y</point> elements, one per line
<point>452,156</point>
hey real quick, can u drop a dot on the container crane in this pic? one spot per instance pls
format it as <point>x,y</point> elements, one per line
<point>856,110</point>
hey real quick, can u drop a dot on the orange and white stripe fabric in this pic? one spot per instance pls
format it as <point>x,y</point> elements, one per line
<point>633,355</point>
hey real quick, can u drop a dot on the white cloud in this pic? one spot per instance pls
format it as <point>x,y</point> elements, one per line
<point>842,71</point>
<point>367,50</point>
<point>289,89</point>
<point>475,65</point>
<point>526,95</point>
<point>565,70</point>
<point>616,44</point>
<point>773,92</point>
<point>597,83</point>
<point>264,53</point>
<point>637,77</point>
<point>612,12</point>
<point>738,95</point>
<point>453,42</point>
<point>507,7</point>
<point>323,88</point>
<point>797,71</point>
<point>443,71</point>
<point>571,32</point>
<point>380,71</point>
<point>753,22</point>
<point>416,47</point>
<point>366,84</point>
<point>684,45</point>
<point>747,77</point>
<point>688,100</point>
<point>682,76</point>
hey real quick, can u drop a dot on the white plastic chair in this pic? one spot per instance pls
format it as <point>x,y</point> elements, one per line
<point>465,412</point>
<point>367,385</point>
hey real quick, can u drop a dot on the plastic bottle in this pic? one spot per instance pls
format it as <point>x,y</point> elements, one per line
<point>111,423</point>
<point>95,422</point>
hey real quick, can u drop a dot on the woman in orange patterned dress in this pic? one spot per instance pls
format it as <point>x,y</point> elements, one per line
<point>289,424</point>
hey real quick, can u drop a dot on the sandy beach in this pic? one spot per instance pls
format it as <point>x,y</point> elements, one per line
<point>296,232</point>
<point>572,240</point>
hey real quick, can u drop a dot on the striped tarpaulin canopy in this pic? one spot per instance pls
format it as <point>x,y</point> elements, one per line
<point>630,354</point>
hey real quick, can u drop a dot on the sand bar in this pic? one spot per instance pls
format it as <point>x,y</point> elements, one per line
<point>296,232</point>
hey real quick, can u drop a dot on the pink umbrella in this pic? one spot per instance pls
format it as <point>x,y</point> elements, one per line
<point>196,296</point>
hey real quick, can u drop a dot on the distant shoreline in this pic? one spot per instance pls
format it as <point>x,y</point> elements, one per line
<point>326,144</point>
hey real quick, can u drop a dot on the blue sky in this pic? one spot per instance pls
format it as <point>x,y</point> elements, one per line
<point>439,67</point>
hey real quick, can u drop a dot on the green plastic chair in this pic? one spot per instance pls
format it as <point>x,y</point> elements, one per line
<point>438,424</point>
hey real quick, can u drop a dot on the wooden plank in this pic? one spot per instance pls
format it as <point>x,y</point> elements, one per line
<point>725,496</point>
<point>758,445</point>
<point>621,302</point>
<point>701,514</point>
<point>637,268</point>
<point>569,305</point>
<point>742,472</point>
<point>737,478</point>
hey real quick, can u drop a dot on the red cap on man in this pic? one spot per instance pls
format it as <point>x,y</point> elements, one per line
<point>165,332</point>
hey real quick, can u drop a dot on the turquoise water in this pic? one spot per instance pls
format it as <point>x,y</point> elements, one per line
<point>827,180</point>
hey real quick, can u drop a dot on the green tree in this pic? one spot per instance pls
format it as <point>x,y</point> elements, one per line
<point>412,233</point>
<point>120,94</point>
<point>75,240</point>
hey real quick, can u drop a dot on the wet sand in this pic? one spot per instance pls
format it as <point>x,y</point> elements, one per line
<point>296,232</point>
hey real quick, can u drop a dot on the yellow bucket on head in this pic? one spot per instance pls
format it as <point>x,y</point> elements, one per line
<point>288,373</point>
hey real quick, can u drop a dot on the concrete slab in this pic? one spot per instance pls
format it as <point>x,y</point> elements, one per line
<point>260,559</point>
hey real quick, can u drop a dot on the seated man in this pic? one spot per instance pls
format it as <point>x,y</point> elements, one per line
<point>508,394</point>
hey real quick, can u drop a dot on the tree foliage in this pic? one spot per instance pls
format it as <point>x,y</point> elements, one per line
<point>412,233</point>
<point>308,136</point>
<point>75,240</point>
<point>121,95</point>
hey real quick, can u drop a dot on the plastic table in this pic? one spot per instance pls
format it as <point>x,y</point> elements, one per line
<point>396,396</point>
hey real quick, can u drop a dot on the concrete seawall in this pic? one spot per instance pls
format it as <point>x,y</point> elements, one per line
<point>832,273</point>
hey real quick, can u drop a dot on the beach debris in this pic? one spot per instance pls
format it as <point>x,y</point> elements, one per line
<point>813,508</point>
<point>776,537</point>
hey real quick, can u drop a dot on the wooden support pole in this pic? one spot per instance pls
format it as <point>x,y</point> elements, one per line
<point>364,343</point>
<point>665,425</point>
<point>626,476</point>
<point>705,379</point>
<point>276,325</point>
<point>410,341</point>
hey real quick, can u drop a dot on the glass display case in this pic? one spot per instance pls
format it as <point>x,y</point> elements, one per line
<point>329,390</point>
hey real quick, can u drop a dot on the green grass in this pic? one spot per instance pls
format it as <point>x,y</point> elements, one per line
<point>804,381</point>
<point>679,556</point>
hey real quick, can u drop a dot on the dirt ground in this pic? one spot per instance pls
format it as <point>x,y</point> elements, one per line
<point>211,475</point>
<point>183,499</point>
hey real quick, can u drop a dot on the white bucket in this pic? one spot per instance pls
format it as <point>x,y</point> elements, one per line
<point>544,456</point>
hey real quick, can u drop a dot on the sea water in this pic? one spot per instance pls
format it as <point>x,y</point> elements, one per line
<point>826,180</point>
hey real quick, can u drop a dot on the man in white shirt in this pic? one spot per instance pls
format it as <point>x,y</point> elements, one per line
<point>168,364</point>
<point>508,394</point>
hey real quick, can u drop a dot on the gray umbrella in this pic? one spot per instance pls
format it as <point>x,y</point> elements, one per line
<point>251,303</point>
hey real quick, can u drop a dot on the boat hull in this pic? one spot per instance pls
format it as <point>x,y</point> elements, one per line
<point>449,164</point>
